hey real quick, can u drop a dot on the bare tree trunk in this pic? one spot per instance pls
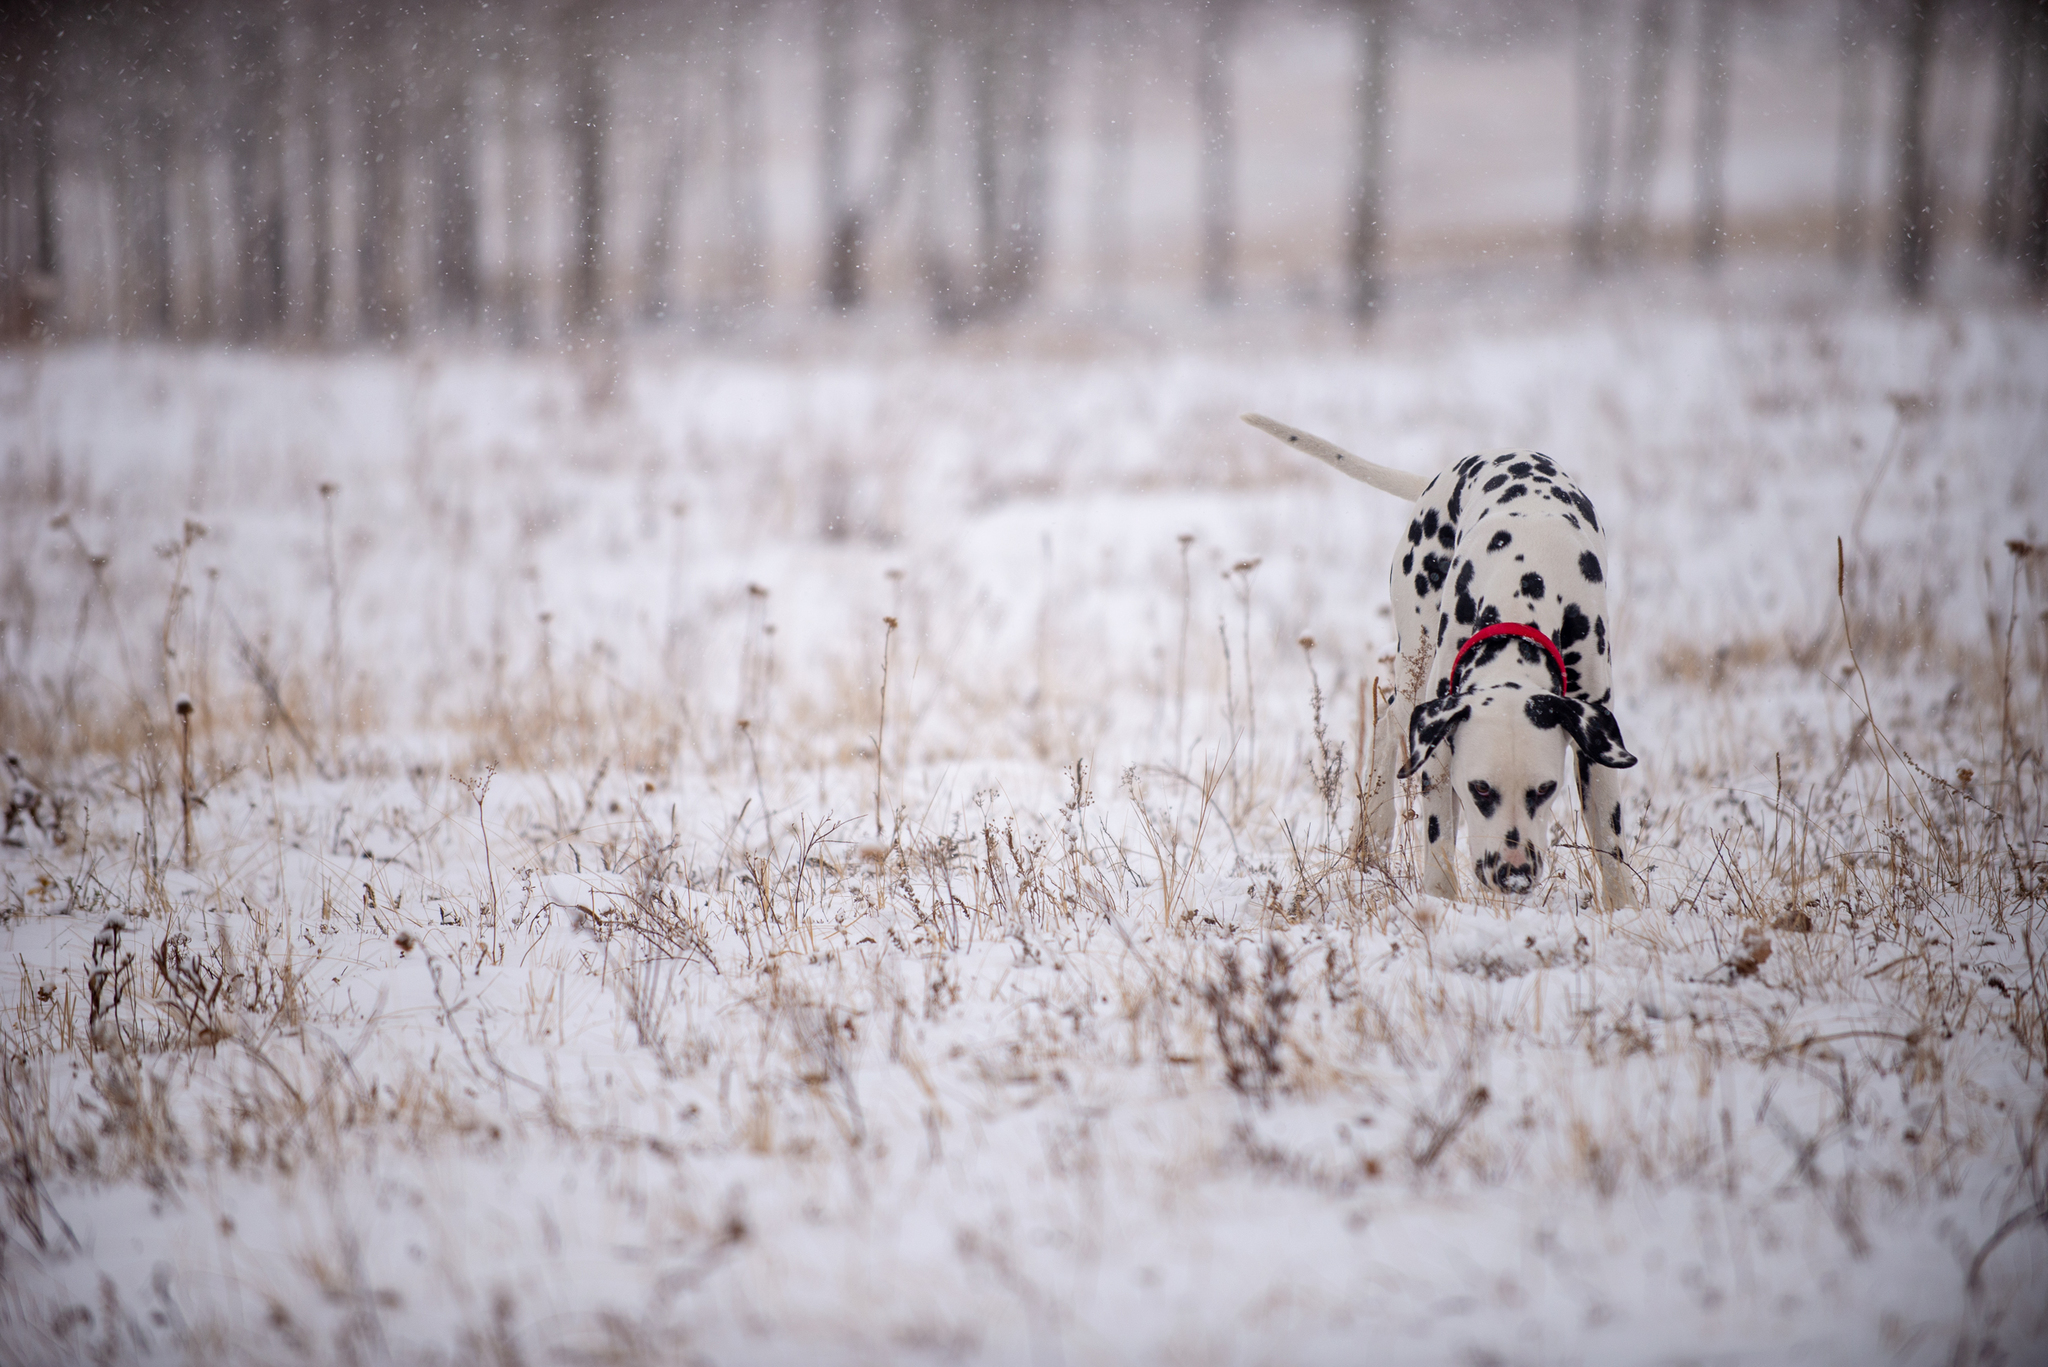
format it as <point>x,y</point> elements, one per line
<point>189,208</point>
<point>587,115</point>
<point>1913,259</point>
<point>515,288</point>
<point>141,127</point>
<point>452,179</point>
<point>1651,66</point>
<point>14,189</point>
<point>854,211</point>
<point>28,272</point>
<point>1024,217</point>
<point>299,138</point>
<point>1010,53</point>
<point>836,36</point>
<point>2033,240</point>
<point>991,63</point>
<point>413,253</point>
<point>89,286</point>
<point>747,263</point>
<point>377,125</point>
<point>120,116</point>
<point>2030,235</point>
<point>658,250</point>
<point>257,230</point>
<point>1110,173</point>
<point>1595,81</point>
<point>2005,185</point>
<point>1710,136</point>
<point>390,223</point>
<point>1852,209</point>
<point>1013,135</point>
<point>1365,238</point>
<point>1214,34</point>
<point>150,210</point>
<point>43,300</point>
<point>346,185</point>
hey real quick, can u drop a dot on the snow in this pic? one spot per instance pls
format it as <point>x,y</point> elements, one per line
<point>706,1059</point>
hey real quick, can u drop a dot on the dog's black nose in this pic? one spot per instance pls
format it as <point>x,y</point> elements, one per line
<point>1515,878</point>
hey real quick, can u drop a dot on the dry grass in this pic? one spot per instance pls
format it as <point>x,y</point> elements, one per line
<point>751,949</point>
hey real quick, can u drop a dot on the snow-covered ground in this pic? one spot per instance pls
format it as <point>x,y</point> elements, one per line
<point>825,856</point>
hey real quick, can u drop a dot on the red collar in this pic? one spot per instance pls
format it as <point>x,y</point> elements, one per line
<point>1508,629</point>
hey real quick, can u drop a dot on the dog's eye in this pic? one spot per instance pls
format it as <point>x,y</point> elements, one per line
<point>1483,797</point>
<point>1539,795</point>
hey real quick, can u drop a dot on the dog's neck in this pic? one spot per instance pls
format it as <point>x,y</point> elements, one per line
<point>1502,632</point>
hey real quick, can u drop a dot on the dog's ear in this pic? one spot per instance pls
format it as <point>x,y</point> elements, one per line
<point>1430,725</point>
<point>1594,732</point>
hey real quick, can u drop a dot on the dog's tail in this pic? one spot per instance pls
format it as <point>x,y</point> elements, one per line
<point>1399,483</point>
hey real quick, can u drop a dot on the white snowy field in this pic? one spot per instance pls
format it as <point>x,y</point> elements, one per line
<point>829,857</point>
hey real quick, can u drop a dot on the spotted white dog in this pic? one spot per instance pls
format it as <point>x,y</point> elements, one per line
<point>1499,594</point>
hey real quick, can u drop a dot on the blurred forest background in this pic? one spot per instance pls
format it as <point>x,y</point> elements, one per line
<point>347,172</point>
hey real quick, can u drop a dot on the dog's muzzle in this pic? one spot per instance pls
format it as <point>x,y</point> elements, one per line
<point>1516,877</point>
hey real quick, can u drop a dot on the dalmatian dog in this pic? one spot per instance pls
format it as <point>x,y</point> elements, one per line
<point>1499,595</point>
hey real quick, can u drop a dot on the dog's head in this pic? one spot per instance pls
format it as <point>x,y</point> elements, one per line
<point>1505,759</point>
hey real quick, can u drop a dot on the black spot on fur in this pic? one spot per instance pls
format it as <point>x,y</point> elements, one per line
<point>1429,523</point>
<point>1415,533</point>
<point>1494,483</point>
<point>1592,728</point>
<point>1585,507</point>
<point>1532,585</point>
<point>1421,586</point>
<point>1589,565</point>
<point>1435,831</point>
<point>1457,501</point>
<point>1408,563</point>
<point>1600,635</point>
<point>1436,567</point>
<point>1521,469</point>
<point>1500,540</point>
<point>1511,493</point>
<point>1574,628</point>
<point>1614,819</point>
<point>1447,536</point>
<point>1429,726</point>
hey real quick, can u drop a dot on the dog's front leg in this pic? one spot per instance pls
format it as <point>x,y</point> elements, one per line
<point>1600,800</point>
<point>1382,787</point>
<point>1439,829</point>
